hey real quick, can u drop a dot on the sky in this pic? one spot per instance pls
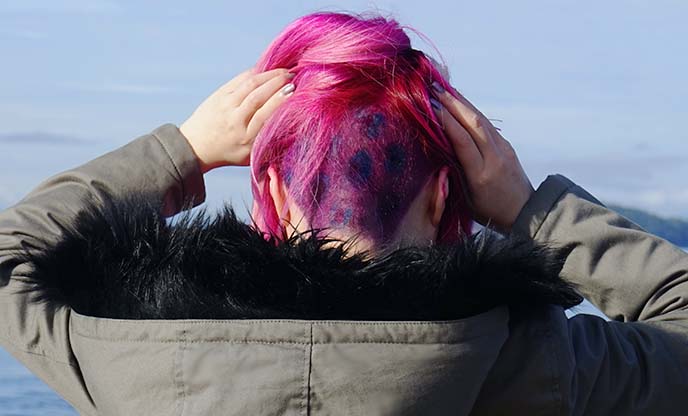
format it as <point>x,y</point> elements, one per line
<point>594,90</point>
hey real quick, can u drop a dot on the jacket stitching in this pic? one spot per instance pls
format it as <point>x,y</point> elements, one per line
<point>304,377</point>
<point>250,322</point>
<point>180,178</point>
<point>558,360</point>
<point>309,358</point>
<point>554,374</point>
<point>259,342</point>
<point>10,345</point>
<point>179,375</point>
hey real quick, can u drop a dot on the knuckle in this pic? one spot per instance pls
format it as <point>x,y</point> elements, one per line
<point>475,121</point>
<point>252,101</point>
<point>500,165</point>
<point>509,152</point>
<point>483,179</point>
<point>252,83</point>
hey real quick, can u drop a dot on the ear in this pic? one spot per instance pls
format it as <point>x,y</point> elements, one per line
<point>278,194</point>
<point>438,197</point>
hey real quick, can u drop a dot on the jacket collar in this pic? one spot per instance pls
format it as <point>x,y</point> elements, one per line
<point>123,259</point>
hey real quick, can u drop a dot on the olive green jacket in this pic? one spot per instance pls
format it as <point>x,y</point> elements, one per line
<point>492,363</point>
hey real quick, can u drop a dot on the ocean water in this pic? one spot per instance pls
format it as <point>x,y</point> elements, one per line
<point>22,394</point>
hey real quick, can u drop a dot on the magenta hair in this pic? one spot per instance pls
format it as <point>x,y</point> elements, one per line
<point>358,138</point>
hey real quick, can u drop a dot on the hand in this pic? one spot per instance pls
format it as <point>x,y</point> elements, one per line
<point>222,129</point>
<point>498,186</point>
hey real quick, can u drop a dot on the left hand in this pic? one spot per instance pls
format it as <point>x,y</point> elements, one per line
<point>222,129</point>
<point>498,186</point>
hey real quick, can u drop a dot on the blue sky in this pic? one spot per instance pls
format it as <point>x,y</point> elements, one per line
<point>594,90</point>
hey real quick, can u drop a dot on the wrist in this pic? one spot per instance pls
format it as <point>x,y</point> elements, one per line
<point>518,208</point>
<point>197,148</point>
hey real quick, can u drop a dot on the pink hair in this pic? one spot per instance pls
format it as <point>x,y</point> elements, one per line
<point>358,138</point>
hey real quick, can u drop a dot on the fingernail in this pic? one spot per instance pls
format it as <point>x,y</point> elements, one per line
<point>437,87</point>
<point>290,75</point>
<point>288,89</point>
<point>435,104</point>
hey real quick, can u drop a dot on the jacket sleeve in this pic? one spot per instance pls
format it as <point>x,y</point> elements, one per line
<point>160,164</point>
<point>637,363</point>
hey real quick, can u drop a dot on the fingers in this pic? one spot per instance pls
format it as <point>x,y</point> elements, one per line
<point>258,97</point>
<point>465,148</point>
<point>265,111</point>
<point>477,125</point>
<point>254,82</point>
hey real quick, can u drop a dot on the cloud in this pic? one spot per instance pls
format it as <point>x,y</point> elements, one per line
<point>652,182</point>
<point>615,170</point>
<point>39,138</point>
<point>666,202</point>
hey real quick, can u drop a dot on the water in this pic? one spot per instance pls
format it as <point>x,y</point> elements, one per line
<point>22,394</point>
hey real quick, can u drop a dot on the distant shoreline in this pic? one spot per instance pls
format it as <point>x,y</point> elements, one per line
<point>673,230</point>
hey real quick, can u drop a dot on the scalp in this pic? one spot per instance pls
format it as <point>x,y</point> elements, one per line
<point>358,138</point>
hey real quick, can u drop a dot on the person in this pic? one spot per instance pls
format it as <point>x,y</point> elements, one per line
<point>392,308</point>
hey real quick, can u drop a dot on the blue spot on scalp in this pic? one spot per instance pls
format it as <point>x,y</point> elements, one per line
<point>288,176</point>
<point>375,125</point>
<point>360,169</point>
<point>348,213</point>
<point>341,217</point>
<point>395,159</point>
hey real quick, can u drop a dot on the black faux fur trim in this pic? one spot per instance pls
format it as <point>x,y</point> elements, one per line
<point>125,260</point>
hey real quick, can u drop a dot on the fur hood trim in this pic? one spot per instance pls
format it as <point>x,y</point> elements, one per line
<point>123,259</point>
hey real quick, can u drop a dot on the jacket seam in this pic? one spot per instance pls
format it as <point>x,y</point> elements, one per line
<point>259,342</point>
<point>250,322</point>
<point>559,197</point>
<point>11,345</point>
<point>180,178</point>
<point>554,373</point>
<point>306,382</point>
<point>310,370</point>
<point>179,374</point>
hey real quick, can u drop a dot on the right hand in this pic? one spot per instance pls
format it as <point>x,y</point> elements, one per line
<point>498,185</point>
<point>222,129</point>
